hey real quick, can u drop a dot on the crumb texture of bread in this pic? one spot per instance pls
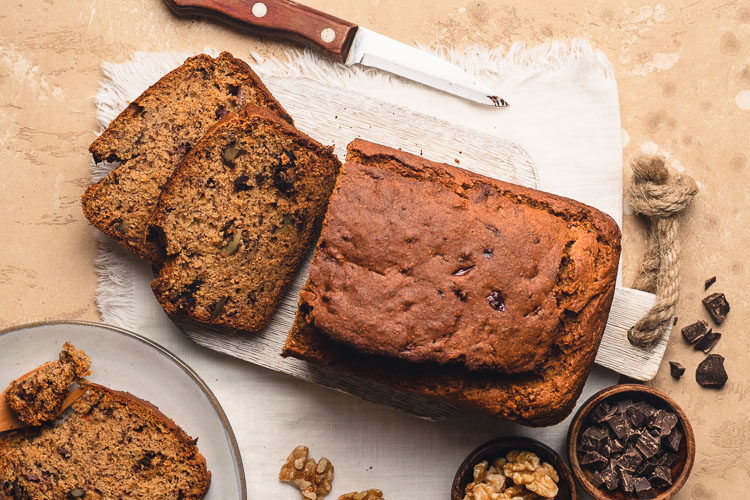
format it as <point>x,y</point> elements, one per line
<point>237,218</point>
<point>38,397</point>
<point>152,135</point>
<point>112,445</point>
<point>483,293</point>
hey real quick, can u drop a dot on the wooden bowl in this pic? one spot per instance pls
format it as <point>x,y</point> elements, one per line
<point>685,456</point>
<point>499,448</point>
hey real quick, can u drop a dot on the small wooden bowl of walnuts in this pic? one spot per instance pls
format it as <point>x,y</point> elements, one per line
<point>631,441</point>
<point>516,467</point>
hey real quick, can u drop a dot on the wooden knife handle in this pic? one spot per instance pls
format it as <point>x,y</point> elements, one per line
<point>279,19</point>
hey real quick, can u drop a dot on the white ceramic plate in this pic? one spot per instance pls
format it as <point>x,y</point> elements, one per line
<point>125,361</point>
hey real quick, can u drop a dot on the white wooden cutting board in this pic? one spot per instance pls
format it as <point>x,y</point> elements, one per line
<point>334,115</point>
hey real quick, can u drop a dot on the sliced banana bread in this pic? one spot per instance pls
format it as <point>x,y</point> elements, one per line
<point>152,135</point>
<point>38,397</point>
<point>112,445</point>
<point>237,218</point>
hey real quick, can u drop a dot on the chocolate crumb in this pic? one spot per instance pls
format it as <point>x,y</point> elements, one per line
<point>710,372</point>
<point>695,331</point>
<point>710,281</point>
<point>717,306</point>
<point>676,369</point>
<point>707,342</point>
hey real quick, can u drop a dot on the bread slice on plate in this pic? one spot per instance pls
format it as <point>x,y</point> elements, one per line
<point>152,135</point>
<point>112,445</point>
<point>451,284</point>
<point>237,218</point>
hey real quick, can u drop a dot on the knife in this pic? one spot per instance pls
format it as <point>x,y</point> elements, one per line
<point>342,41</point>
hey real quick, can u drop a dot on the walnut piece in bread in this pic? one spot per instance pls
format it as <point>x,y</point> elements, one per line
<point>314,479</point>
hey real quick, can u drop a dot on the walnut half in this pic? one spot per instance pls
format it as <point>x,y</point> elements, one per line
<point>313,479</point>
<point>363,495</point>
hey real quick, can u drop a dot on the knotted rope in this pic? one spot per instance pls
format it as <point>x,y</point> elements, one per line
<point>660,196</point>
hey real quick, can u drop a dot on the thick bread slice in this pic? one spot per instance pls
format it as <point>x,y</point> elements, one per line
<point>113,445</point>
<point>154,132</point>
<point>237,218</point>
<point>484,293</point>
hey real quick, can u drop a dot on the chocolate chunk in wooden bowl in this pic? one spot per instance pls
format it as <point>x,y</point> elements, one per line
<point>710,372</point>
<point>652,455</point>
<point>717,306</point>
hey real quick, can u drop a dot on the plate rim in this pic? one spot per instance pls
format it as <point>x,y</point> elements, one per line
<point>163,350</point>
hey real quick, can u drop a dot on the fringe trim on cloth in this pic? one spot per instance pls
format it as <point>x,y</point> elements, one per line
<point>123,82</point>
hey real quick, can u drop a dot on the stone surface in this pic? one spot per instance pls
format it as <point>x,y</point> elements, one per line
<point>684,80</point>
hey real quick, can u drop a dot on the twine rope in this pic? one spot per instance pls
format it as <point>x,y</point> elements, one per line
<point>656,193</point>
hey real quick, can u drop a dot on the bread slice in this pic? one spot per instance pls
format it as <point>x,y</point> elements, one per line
<point>459,286</point>
<point>152,135</point>
<point>38,397</point>
<point>237,218</point>
<point>112,445</point>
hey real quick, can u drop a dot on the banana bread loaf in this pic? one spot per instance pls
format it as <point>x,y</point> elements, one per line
<point>113,445</point>
<point>152,135</point>
<point>237,218</point>
<point>38,397</point>
<point>487,294</point>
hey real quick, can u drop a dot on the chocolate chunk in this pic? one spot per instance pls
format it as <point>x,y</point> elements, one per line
<point>639,412</point>
<point>646,468</point>
<point>240,183</point>
<point>708,342</point>
<point>710,281</point>
<point>593,438</point>
<point>594,460</point>
<point>629,461</point>
<point>661,477</point>
<point>610,477</point>
<point>603,412</point>
<point>676,369</point>
<point>667,459</point>
<point>710,372</point>
<point>673,440</point>
<point>627,481</point>
<point>648,444</point>
<point>717,306</point>
<point>643,488</point>
<point>620,426</point>
<point>615,445</point>
<point>695,331</point>
<point>597,479</point>
<point>623,405</point>
<point>663,421</point>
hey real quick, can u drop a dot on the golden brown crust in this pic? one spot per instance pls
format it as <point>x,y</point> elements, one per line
<point>119,204</point>
<point>584,288</point>
<point>195,277</point>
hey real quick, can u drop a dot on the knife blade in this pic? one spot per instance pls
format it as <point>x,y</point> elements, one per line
<point>342,41</point>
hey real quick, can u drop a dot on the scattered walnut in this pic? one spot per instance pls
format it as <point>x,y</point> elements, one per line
<point>518,476</point>
<point>363,495</point>
<point>523,468</point>
<point>313,479</point>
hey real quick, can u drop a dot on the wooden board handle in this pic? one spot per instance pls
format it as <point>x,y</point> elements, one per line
<point>278,19</point>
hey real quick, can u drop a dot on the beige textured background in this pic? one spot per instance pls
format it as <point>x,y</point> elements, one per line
<point>684,77</point>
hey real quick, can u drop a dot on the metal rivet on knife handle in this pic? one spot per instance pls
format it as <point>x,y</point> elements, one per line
<point>259,9</point>
<point>327,35</point>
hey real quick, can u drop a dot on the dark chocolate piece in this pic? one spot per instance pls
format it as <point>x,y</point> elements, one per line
<point>627,483</point>
<point>663,421</point>
<point>623,405</point>
<point>597,479</point>
<point>676,369</point>
<point>593,438</point>
<point>647,467</point>
<point>615,445</point>
<point>629,461</point>
<point>639,412</point>
<point>710,281</point>
<point>620,426</point>
<point>643,488</point>
<point>673,440</point>
<point>594,460</point>
<point>674,321</point>
<point>603,412</point>
<point>708,342</point>
<point>695,331</point>
<point>667,459</point>
<point>648,444</point>
<point>661,477</point>
<point>611,478</point>
<point>717,306</point>
<point>710,372</point>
